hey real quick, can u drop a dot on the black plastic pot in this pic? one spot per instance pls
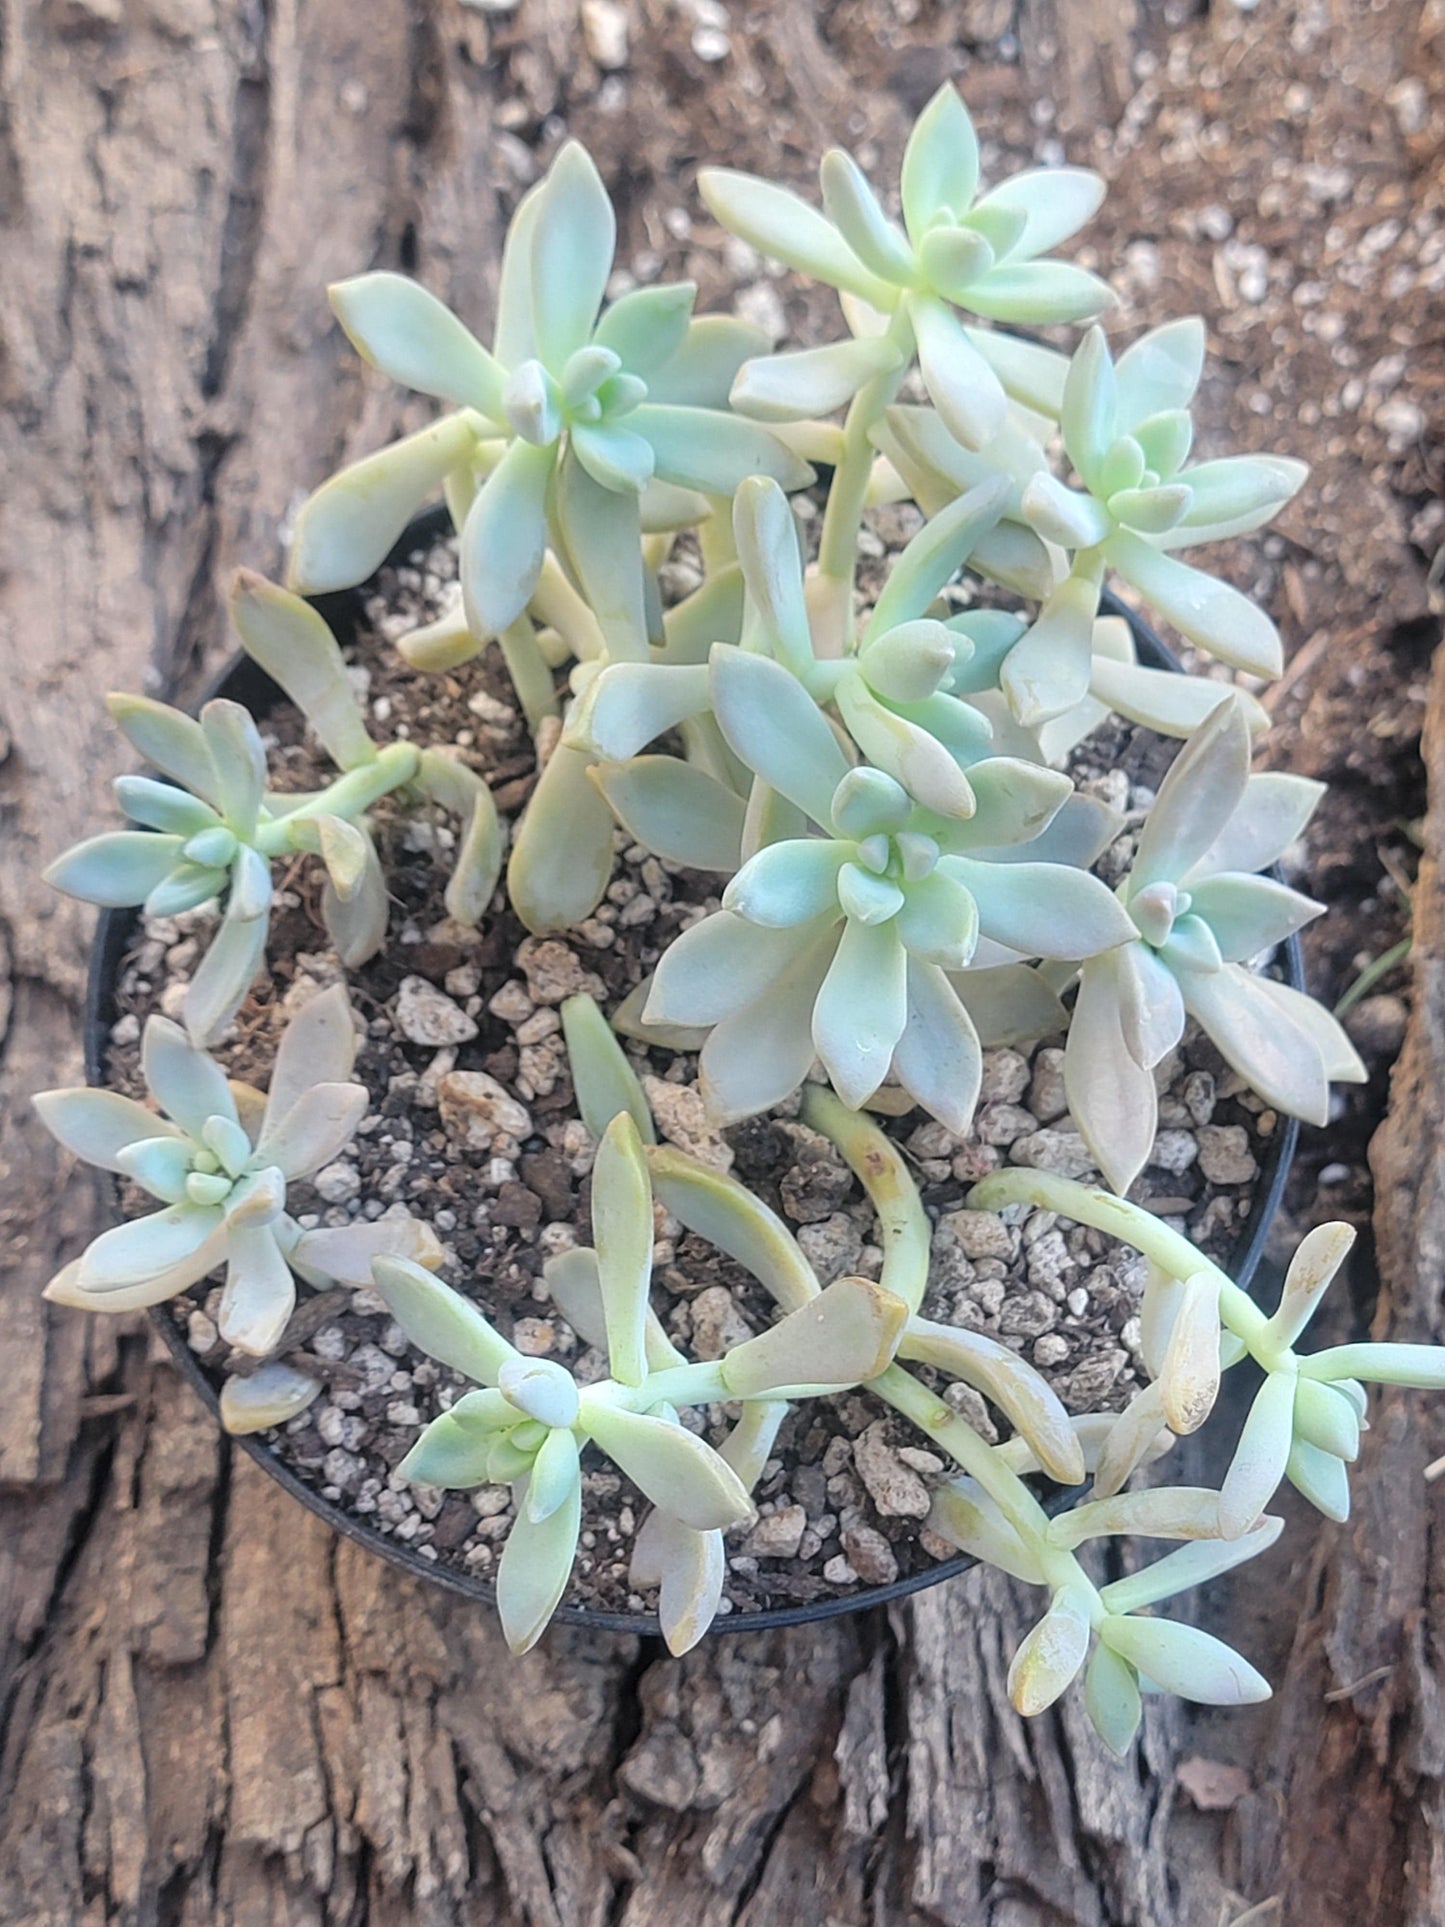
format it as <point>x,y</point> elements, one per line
<point>244,682</point>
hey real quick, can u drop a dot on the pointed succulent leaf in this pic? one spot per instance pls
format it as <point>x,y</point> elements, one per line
<point>504,538</point>
<point>862,1009</point>
<point>1189,1371</point>
<point>676,810</point>
<point>1155,1512</point>
<point>116,869</point>
<point>535,1566</point>
<point>718,967</point>
<point>1025,1398</point>
<point>1152,511</point>
<point>540,1388</point>
<point>1183,1660</point>
<point>1042,909</point>
<point>440,1322</point>
<point>1209,612</point>
<point>1312,1270</point>
<point>561,859</point>
<point>940,162</point>
<point>1048,669</point>
<point>788,884</point>
<point>226,972</point>
<point>844,1336</point>
<point>646,327</point>
<point>935,555</point>
<point>1250,914</point>
<point>315,1130</point>
<point>188,1085</point>
<point>1320,1477</point>
<point>1240,493</point>
<point>908,752</point>
<point>162,1166</point>
<point>962,1513</point>
<point>1161,370</point>
<point>617,459</point>
<point>603,1080</point>
<point>240,762</point>
<point>962,386</point>
<point>97,1125</point>
<point>1273,811</point>
<point>1191,1566</point>
<point>767,543</point>
<point>345,531</point>
<point>142,1248</point>
<point>344,1254</point>
<point>161,806</point>
<point>1341,1061</point>
<point>1196,799</point>
<point>677,1470</point>
<point>630,704</point>
<point>575,1289</point>
<point>1054,203</point>
<point>728,1215</point>
<point>712,452</point>
<point>1260,1038</point>
<point>1422,1366</point>
<point>1112,1699</point>
<point>622,1233</point>
<point>356,924</point>
<point>760,1054</point>
<point>938,1059</point>
<point>1039,293</point>
<point>774,725</point>
<point>688,1569</point>
<point>1111,1094</point>
<point>574,234</point>
<point>1062,515</point>
<point>1260,1457</point>
<point>810,383</point>
<point>1130,1440</point>
<point>1089,413</point>
<point>779,224</point>
<point>1325,1418</point>
<point>1166,702</point>
<point>1050,1657</point>
<point>400,328</point>
<point>450,1455</point>
<point>270,1396</point>
<point>702,371</point>
<point>259,1294</point>
<point>169,740</point>
<point>853,208</point>
<point>298,651</point>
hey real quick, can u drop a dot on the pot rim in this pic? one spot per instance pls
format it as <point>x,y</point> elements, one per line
<point>244,681</point>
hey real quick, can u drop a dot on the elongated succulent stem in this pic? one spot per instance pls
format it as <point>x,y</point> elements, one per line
<point>843,516</point>
<point>879,1167</point>
<point>530,672</point>
<point>349,795</point>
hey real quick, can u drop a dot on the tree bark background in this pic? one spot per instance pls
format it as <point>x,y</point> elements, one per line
<point>212,1711</point>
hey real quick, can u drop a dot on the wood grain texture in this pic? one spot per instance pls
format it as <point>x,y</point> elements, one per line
<point>213,1711</point>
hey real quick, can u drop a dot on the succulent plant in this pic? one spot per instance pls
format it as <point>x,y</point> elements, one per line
<point>214,828</point>
<point>218,1158</point>
<point>1200,912</point>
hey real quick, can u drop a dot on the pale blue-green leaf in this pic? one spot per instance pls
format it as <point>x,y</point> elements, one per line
<point>513,341</point>
<point>315,1129</point>
<point>1055,202</point>
<point>714,453</point>
<point>676,810</point>
<point>908,753</point>
<point>961,384</point>
<point>477,864</point>
<point>866,897</point>
<point>940,162</point>
<point>702,371</point>
<point>951,260</point>
<point>143,1248</point>
<point>1016,559</point>
<point>1422,1366</point>
<point>777,729</point>
<point>1123,466</point>
<point>1242,491</point>
<point>861,1010</point>
<point>161,806</point>
<point>239,758</point>
<point>575,1289</point>
<point>1030,373</point>
<point>270,1396</point>
<point>1039,293</point>
<point>1326,1419</point>
<point>1062,515</point>
<point>65,1287</point>
<point>938,923</point>
<point>1163,442</point>
<point>299,653</point>
<point>688,1568</point>
<point>189,1086</point>
<point>317,1046</point>
<point>161,1165</point>
<point>259,1294</point>
<point>1111,1094</point>
<point>1207,611</point>
<point>955,725</point>
<point>574,234</point>
<point>1321,1478</point>
<point>117,869</point>
<point>1151,1008</point>
<point>532,404</point>
<point>1155,1512</point>
<point>814,381</point>
<point>1015,804</point>
<point>1112,1699</point>
<point>1043,909</point>
<point>1312,1269</point>
<point>443,644</point>
<point>400,328</point>
<point>935,555</point>
<point>1183,1660</point>
<point>614,456</point>
<point>779,224</point>
<point>589,372</point>
<point>1166,702</point>
<point>759,1054</point>
<point>713,613</point>
<point>1250,914</point>
<point>728,1215</point>
<point>938,1059</point>
<point>97,1125</point>
<point>1261,1039</point>
<point>249,897</point>
<point>787,884</point>
<point>1273,811</point>
<point>1191,1566</point>
<point>718,967</point>
<point>909,662</point>
<point>666,510</point>
<point>1050,1656</point>
<point>1204,787</point>
<point>868,802</point>
<point>676,1469</point>
<point>853,208</point>
<point>847,1335</point>
<point>767,544</point>
<point>561,857</point>
<point>602,533</point>
<point>964,1515</point>
<point>226,972</point>
<point>535,1566</point>
<point>541,1389</point>
<point>449,1455</point>
<point>1048,669</point>
<point>554,1476</point>
<point>1077,834</point>
<point>622,1235</point>
<point>1160,371</point>
<point>356,924</point>
<point>345,1254</point>
<point>631,704</point>
<point>1342,1062</point>
<point>603,1079</point>
<point>1010,1004</point>
<point>1151,511</point>
<point>646,326</point>
<point>504,538</point>
<point>1089,412</point>
<point>345,531</point>
<point>1025,1398</point>
<point>440,1322</point>
<point>1191,946</point>
<point>171,742</point>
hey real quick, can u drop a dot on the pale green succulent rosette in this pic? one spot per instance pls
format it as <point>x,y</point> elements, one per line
<point>218,1158</point>
<point>575,432</point>
<point>1200,912</point>
<point>214,829</point>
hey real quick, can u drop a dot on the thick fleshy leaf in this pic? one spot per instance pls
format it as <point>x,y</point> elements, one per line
<point>813,382</point>
<point>1015,803</point>
<point>1062,515</point>
<point>1151,1006</point>
<point>116,869</point>
<point>646,326</point>
<point>1160,371</point>
<point>1342,1062</point>
<point>1025,1398</point>
<point>677,1470</point>
<point>170,742</point>
<point>1049,1659</point>
<point>1250,914</point>
<point>938,923</point>
<point>1191,1566</point>
<point>1155,1512</point>
<point>271,1396</point>
<point>345,1254</point>
<point>315,1130</point>
<point>788,884</point>
<point>143,1248</point>
<point>541,1389</point>
<point>676,810</point>
<point>630,704</point>
<point>603,1080</point>
<point>767,543</point>
<point>561,858</point>
<point>189,1086</point>
<point>1151,511</point>
<point>446,779</point>
<point>938,1059</point>
<point>862,1009</point>
<point>1238,494</point>
<point>345,531</point>
<point>1088,415</point>
<point>615,457</point>
<point>760,1054</point>
<point>962,1513</point>
<point>1209,612</point>
<point>712,452</point>
<point>449,1455</point>
<point>622,1234</point>
<point>356,924</point>
<point>935,555</point>
<point>576,1291</point>
<point>1043,909</point>
<point>1325,1418</point>
<point>718,967</point>
<point>702,371</point>
<point>1009,1004</point>
<point>504,538</point>
<point>1422,1366</point>
<point>239,758</point>
<point>1273,811</point>
<point>907,752</point>
<point>1032,374</point>
<point>66,1287</point>
<point>1054,201</point>
<point>1048,669</point>
<point>774,725</point>
<point>1196,799</point>
<point>1183,1660</point>
<point>602,530</point>
<point>161,806</point>
<point>259,1294</point>
<point>226,973</point>
<point>400,328</point>
<point>440,1322</point>
<point>554,1475</point>
<point>909,663</point>
<point>853,208</point>
<point>1259,1460</point>
<point>1112,1699</point>
<point>1111,1094</point>
<point>97,1125</point>
<point>1261,1039</point>
<point>574,234</point>
<point>1190,1368</point>
<point>844,1336</point>
<point>962,386</point>
<point>1321,1478</point>
<point>1038,293</point>
<point>779,224</point>
<point>688,1568</point>
<point>513,341</point>
<point>1312,1269</point>
<point>1168,703</point>
<point>535,1566</point>
<point>729,1216</point>
<point>298,652</point>
<point>940,162</point>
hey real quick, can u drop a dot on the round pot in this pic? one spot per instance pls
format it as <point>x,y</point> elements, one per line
<point>244,682</point>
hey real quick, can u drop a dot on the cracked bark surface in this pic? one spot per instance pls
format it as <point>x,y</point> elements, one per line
<point>213,1711</point>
